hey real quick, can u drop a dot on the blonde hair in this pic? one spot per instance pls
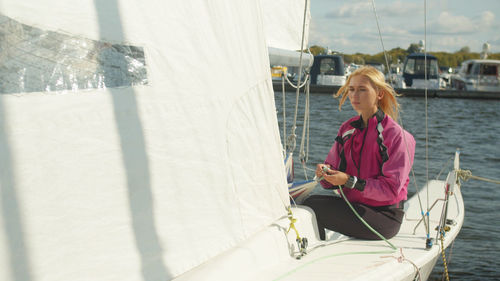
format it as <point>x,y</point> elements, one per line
<point>388,104</point>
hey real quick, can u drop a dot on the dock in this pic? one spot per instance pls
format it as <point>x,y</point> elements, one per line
<point>431,93</point>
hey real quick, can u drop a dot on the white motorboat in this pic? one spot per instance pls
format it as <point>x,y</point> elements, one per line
<point>328,70</point>
<point>478,75</point>
<point>420,71</point>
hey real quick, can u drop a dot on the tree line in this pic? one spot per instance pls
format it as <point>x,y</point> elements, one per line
<point>398,55</point>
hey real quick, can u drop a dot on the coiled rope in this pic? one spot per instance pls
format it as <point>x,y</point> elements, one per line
<point>293,85</point>
<point>290,141</point>
<point>465,175</point>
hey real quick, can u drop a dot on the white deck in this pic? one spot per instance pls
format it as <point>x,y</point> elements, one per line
<point>268,255</point>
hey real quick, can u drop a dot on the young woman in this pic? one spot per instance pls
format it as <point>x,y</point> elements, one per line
<point>371,159</point>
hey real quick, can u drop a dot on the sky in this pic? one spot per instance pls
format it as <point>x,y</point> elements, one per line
<point>350,26</point>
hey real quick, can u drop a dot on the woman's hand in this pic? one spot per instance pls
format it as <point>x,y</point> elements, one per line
<point>320,169</point>
<point>332,176</point>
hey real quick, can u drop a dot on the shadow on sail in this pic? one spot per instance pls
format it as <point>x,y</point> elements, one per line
<point>12,216</point>
<point>135,159</point>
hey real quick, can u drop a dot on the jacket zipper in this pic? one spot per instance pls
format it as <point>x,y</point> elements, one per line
<point>361,150</point>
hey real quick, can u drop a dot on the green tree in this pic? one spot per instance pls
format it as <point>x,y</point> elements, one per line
<point>413,48</point>
<point>357,58</point>
<point>399,54</point>
<point>465,50</point>
<point>495,56</point>
<point>317,50</point>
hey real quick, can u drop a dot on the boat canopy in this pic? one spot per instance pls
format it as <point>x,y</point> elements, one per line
<point>327,65</point>
<point>415,67</point>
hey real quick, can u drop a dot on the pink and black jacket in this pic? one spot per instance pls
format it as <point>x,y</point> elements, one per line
<point>380,156</point>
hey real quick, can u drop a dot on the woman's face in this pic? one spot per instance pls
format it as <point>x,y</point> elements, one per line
<point>363,96</point>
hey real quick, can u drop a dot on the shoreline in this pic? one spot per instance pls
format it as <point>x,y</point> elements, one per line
<point>431,93</point>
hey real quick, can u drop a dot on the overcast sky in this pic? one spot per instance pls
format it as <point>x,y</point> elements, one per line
<point>349,26</point>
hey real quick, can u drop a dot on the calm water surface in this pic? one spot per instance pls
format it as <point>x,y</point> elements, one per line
<point>471,125</point>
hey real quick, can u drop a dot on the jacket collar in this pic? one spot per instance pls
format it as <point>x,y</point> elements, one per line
<point>358,123</point>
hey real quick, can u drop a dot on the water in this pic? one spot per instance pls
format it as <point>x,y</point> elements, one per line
<point>471,125</point>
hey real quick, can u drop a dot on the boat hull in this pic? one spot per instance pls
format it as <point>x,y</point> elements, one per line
<point>272,253</point>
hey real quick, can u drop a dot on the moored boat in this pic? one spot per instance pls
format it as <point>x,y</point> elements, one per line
<point>478,75</point>
<point>328,70</point>
<point>420,71</point>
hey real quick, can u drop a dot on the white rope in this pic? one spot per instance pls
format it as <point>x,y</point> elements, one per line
<point>296,86</point>
<point>284,115</point>
<point>292,137</point>
<point>290,141</point>
<point>303,152</point>
<point>308,125</point>
<point>466,175</point>
<point>300,71</point>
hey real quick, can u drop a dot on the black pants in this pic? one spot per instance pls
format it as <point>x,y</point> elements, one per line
<point>333,213</point>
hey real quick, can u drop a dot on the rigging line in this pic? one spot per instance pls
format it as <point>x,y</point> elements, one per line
<point>442,219</point>
<point>413,174</point>
<point>426,114</point>
<point>400,118</point>
<point>381,41</point>
<point>297,86</point>
<point>288,206</point>
<point>444,167</point>
<point>300,70</point>
<point>308,123</point>
<point>284,113</point>
<point>310,169</point>
<point>305,128</point>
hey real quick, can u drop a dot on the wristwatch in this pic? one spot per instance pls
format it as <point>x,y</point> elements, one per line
<point>351,182</point>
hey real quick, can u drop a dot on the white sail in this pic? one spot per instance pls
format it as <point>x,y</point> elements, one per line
<point>284,21</point>
<point>142,181</point>
<point>139,141</point>
<point>287,31</point>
